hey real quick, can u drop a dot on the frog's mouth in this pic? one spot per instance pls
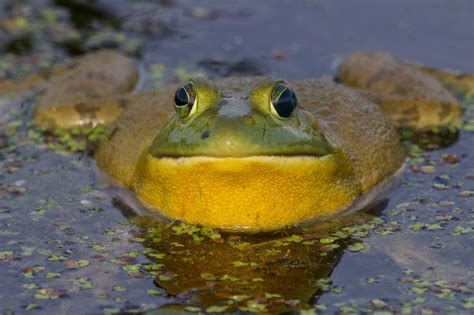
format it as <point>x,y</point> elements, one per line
<point>261,192</point>
<point>230,147</point>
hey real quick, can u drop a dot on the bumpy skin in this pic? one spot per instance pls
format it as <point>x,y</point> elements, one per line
<point>234,165</point>
<point>409,96</point>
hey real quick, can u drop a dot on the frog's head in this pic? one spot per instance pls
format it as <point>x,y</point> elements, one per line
<point>243,159</point>
<point>213,123</point>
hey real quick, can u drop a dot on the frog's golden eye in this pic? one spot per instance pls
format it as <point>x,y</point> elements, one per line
<point>184,100</point>
<point>283,101</point>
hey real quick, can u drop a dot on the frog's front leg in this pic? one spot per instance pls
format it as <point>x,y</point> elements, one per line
<point>461,84</point>
<point>407,95</point>
<point>79,104</point>
<point>89,93</point>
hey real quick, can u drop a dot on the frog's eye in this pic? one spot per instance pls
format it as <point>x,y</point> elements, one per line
<point>283,101</point>
<point>184,99</point>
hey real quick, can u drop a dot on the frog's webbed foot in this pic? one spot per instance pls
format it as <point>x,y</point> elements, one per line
<point>409,96</point>
<point>87,92</point>
<point>458,83</point>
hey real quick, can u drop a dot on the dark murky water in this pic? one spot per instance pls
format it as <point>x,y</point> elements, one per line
<point>66,247</point>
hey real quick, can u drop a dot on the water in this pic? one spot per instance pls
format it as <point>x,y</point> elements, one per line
<point>69,245</point>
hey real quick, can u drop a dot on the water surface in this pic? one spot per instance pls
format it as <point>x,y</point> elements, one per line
<point>68,245</point>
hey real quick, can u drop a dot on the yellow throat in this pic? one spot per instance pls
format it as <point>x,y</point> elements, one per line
<point>254,193</point>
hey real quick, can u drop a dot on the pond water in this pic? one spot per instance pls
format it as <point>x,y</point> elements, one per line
<point>69,244</point>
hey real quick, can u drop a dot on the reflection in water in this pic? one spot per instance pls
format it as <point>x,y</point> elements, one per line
<point>274,272</point>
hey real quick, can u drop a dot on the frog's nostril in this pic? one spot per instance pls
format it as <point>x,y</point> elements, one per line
<point>205,134</point>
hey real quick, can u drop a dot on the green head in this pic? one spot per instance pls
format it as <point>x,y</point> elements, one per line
<point>231,123</point>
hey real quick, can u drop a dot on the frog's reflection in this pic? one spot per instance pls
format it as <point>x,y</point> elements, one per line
<point>274,272</point>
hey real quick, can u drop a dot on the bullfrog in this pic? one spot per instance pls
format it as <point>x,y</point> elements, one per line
<point>250,153</point>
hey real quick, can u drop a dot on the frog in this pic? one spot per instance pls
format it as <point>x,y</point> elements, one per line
<point>251,153</point>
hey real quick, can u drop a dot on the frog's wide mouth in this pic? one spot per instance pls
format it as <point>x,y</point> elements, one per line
<point>268,158</point>
<point>274,155</point>
<point>227,148</point>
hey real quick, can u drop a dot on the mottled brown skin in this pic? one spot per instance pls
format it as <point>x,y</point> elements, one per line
<point>410,97</point>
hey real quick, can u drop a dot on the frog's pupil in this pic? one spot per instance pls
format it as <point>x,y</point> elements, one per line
<point>181,97</point>
<point>286,103</point>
